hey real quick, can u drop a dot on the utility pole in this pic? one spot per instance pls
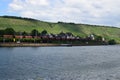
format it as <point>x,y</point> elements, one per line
<point>20,36</point>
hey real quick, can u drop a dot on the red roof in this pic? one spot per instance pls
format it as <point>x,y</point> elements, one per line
<point>18,37</point>
<point>28,37</point>
<point>8,36</point>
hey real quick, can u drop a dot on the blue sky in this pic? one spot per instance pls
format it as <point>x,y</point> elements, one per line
<point>4,6</point>
<point>98,12</point>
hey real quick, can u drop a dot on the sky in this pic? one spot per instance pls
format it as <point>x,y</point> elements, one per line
<point>96,12</point>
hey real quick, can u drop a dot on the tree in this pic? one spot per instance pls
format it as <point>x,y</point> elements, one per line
<point>24,33</point>
<point>34,32</point>
<point>9,31</point>
<point>44,32</point>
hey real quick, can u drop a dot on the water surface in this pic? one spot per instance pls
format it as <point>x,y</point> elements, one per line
<point>60,63</point>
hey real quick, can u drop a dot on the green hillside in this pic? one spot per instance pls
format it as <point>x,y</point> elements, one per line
<point>25,24</point>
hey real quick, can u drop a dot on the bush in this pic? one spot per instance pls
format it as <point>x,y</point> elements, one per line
<point>27,40</point>
<point>112,42</point>
<point>1,39</point>
<point>8,40</point>
<point>30,40</point>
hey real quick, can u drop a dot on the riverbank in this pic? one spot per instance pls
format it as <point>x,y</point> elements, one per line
<point>42,44</point>
<point>26,44</point>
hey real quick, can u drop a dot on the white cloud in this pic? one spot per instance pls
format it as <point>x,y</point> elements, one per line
<point>16,5</point>
<point>37,2</point>
<point>104,12</point>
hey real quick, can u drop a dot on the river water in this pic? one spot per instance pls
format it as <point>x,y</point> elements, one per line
<point>60,63</point>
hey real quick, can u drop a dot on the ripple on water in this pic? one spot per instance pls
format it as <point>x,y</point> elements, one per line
<point>60,63</point>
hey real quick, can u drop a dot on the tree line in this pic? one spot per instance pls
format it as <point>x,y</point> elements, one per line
<point>15,17</point>
<point>61,37</point>
<point>11,31</point>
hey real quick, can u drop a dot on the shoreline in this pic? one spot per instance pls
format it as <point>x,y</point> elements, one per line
<point>43,45</point>
<point>26,44</point>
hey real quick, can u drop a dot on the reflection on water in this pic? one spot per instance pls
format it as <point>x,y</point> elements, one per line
<point>60,63</point>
